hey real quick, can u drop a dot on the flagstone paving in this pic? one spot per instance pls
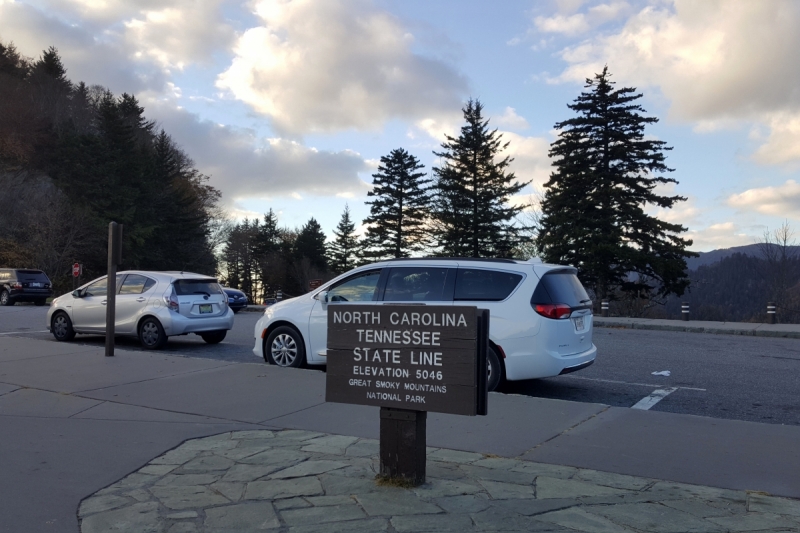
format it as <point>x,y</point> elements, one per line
<point>304,482</point>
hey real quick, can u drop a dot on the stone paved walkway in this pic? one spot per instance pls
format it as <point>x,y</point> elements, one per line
<point>304,482</point>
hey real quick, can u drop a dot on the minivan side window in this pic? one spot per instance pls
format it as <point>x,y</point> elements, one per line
<point>359,288</point>
<point>473,284</point>
<point>418,284</point>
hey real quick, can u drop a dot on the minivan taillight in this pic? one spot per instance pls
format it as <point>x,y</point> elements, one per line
<point>172,302</point>
<point>556,311</point>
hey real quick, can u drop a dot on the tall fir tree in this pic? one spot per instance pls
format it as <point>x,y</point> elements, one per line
<point>472,215</point>
<point>593,212</point>
<point>310,244</point>
<point>396,223</point>
<point>343,251</point>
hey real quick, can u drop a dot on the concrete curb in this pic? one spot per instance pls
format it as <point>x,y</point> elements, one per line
<point>718,328</point>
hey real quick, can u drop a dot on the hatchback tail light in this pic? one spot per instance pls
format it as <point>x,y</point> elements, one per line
<point>16,285</point>
<point>172,301</point>
<point>556,311</point>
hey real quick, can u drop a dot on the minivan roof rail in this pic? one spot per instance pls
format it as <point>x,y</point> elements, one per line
<point>484,259</point>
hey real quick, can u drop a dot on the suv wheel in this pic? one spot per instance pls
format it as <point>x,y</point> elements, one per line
<point>285,347</point>
<point>151,334</point>
<point>61,326</point>
<point>40,302</point>
<point>495,376</point>
<point>5,298</point>
<point>214,337</point>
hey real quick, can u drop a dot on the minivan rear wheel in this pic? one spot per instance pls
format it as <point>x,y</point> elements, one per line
<point>495,370</point>
<point>285,347</point>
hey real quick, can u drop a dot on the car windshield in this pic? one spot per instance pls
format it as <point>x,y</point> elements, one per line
<point>196,286</point>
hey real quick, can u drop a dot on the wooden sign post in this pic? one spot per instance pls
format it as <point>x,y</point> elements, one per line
<point>408,360</point>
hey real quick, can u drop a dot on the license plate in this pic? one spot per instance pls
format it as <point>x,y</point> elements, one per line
<point>205,308</point>
<point>36,284</point>
<point>578,323</point>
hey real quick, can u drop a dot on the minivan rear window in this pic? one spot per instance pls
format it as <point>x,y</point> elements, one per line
<point>474,284</point>
<point>196,286</point>
<point>561,288</point>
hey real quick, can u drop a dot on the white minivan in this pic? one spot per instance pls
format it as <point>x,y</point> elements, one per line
<point>540,325</point>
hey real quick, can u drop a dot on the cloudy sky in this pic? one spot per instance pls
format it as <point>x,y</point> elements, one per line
<point>290,104</point>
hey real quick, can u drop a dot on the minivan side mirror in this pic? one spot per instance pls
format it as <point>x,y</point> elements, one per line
<point>323,299</point>
<point>77,294</point>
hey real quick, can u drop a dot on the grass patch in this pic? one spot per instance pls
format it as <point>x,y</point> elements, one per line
<point>398,482</point>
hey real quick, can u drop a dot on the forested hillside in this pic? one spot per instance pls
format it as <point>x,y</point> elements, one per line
<point>738,287</point>
<point>75,157</point>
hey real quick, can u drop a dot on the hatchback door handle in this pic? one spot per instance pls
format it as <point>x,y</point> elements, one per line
<point>140,299</point>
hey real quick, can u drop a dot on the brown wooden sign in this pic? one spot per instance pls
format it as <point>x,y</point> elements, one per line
<point>415,357</point>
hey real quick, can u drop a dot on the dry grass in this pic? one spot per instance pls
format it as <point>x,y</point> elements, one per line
<point>398,482</point>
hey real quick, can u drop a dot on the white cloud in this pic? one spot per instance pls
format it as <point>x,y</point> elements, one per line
<point>715,60</point>
<point>510,120</point>
<point>722,235</point>
<point>242,166</point>
<point>578,23</point>
<point>176,36</point>
<point>334,65</point>
<point>531,162</point>
<point>782,201</point>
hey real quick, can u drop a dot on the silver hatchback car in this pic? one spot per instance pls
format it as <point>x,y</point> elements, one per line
<point>149,305</point>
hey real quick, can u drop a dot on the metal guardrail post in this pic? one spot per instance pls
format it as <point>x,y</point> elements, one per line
<point>771,312</point>
<point>685,311</point>
<point>604,308</point>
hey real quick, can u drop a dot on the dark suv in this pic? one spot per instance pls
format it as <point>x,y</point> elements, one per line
<point>24,285</point>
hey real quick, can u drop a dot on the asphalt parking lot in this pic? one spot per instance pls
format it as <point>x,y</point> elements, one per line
<point>720,376</point>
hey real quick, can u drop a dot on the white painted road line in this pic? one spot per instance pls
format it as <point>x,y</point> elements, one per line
<point>570,376</point>
<point>657,395</point>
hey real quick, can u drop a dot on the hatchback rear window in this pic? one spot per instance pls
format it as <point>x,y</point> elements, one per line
<point>197,286</point>
<point>560,288</point>
<point>485,285</point>
<point>31,275</point>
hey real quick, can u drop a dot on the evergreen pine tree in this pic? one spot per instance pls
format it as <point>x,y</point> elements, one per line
<point>593,209</point>
<point>397,216</point>
<point>342,251</point>
<point>472,216</point>
<point>310,244</point>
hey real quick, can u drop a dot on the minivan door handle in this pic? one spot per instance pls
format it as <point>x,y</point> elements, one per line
<point>104,302</point>
<point>140,299</point>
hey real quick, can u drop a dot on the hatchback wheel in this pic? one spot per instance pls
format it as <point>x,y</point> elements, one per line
<point>495,376</point>
<point>285,347</point>
<point>61,326</point>
<point>5,298</point>
<point>151,334</point>
<point>214,337</point>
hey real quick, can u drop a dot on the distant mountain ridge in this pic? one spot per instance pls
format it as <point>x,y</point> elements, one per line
<point>714,256</point>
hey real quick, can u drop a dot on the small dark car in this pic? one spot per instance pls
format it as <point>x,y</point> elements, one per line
<point>24,285</point>
<point>237,300</point>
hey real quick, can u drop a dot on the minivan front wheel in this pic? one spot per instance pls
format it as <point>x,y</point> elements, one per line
<point>495,370</point>
<point>285,347</point>
<point>151,334</point>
